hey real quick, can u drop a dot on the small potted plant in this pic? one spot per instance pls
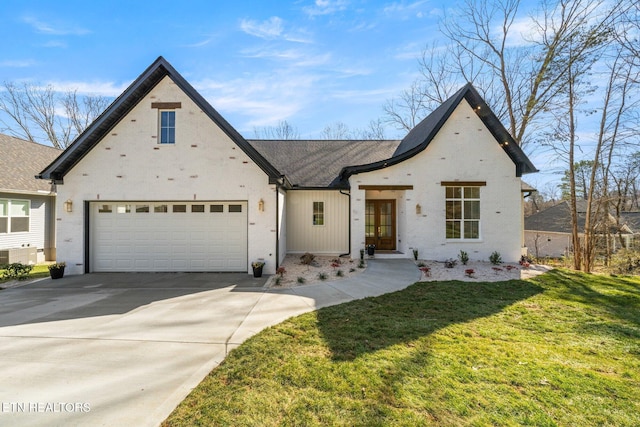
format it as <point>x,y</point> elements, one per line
<point>57,270</point>
<point>371,249</point>
<point>257,268</point>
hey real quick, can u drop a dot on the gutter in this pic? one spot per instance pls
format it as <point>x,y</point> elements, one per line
<point>349,242</point>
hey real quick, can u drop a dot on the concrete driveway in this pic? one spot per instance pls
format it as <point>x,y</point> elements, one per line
<point>125,349</point>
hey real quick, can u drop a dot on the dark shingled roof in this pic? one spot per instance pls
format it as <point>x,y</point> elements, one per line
<point>20,162</point>
<point>557,219</point>
<point>317,163</point>
<point>308,164</point>
<point>125,103</point>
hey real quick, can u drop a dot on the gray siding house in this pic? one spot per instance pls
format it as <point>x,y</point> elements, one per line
<point>27,204</point>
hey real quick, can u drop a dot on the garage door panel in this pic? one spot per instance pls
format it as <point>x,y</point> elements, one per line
<point>132,237</point>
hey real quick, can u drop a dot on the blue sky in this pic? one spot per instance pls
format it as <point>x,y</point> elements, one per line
<point>309,62</point>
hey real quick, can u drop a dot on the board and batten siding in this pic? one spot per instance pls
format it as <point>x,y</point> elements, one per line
<point>302,236</point>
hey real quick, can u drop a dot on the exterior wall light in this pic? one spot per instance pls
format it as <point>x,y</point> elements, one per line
<point>261,205</point>
<point>418,209</point>
<point>68,205</point>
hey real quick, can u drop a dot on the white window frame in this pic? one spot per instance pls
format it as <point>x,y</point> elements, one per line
<point>465,219</point>
<point>6,215</point>
<point>318,215</point>
<point>161,141</point>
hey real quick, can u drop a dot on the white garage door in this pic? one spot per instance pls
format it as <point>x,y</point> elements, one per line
<point>168,236</point>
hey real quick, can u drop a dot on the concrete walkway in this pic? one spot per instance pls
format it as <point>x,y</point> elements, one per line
<point>126,349</point>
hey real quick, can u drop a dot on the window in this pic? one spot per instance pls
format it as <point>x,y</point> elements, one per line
<point>14,216</point>
<point>4,216</point>
<point>318,213</point>
<point>167,127</point>
<point>121,209</point>
<point>105,209</point>
<point>179,208</point>
<point>160,209</point>
<point>235,208</point>
<point>197,208</point>
<point>142,208</point>
<point>462,212</point>
<point>216,208</point>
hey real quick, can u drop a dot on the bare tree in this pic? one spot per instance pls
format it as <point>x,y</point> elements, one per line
<point>282,131</point>
<point>520,81</point>
<point>43,114</point>
<point>375,131</point>
<point>336,131</point>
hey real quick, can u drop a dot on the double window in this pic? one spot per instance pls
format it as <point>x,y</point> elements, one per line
<point>462,212</point>
<point>14,216</point>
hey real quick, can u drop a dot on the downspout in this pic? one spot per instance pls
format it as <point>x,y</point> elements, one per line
<point>277,225</point>
<point>349,241</point>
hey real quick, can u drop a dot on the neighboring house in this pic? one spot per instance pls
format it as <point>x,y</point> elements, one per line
<point>161,182</point>
<point>27,204</point>
<point>548,232</point>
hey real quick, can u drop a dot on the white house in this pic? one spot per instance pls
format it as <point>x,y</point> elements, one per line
<point>161,182</point>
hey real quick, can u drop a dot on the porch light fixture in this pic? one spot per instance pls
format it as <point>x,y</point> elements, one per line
<point>68,205</point>
<point>261,205</point>
<point>418,209</point>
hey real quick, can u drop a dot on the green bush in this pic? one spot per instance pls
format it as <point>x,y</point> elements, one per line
<point>463,257</point>
<point>17,271</point>
<point>495,258</point>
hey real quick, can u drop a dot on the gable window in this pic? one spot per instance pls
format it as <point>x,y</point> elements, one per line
<point>462,212</point>
<point>167,127</point>
<point>14,215</point>
<point>318,213</point>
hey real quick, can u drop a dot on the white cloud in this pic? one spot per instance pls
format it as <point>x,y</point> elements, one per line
<point>60,29</point>
<point>405,10</point>
<point>325,7</point>
<point>108,89</point>
<point>55,43</point>
<point>270,29</point>
<point>17,63</point>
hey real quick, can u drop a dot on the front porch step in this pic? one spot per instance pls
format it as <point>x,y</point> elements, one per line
<point>388,255</point>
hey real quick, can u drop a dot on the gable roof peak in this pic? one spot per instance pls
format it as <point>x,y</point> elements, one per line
<point>123,104</point>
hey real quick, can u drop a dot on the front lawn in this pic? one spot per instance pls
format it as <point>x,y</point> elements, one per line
<point>561,349</point>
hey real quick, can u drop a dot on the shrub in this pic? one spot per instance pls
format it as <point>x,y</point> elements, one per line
<point>625,261</point>
<point>421,264</point>
<point>495,258</point>
<point>361,264</point>
<point>307,258</point>
<point>361,254</point>
<point>415,254</point>
<point>339,273</point>
<point>301,280</point>
<point>278,281</point>
<point>351,270</point>
<point>322,276</point>
<point>450,263</point>
<point>17,271</point>
<point>463,257</point>
<point>281,271</point>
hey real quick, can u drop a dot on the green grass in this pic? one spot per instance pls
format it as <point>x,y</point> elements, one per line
<point>559,350</point>
<point>40,270</point>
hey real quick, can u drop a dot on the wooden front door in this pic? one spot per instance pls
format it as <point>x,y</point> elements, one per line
<point>380,224</point>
